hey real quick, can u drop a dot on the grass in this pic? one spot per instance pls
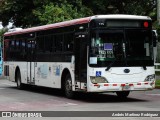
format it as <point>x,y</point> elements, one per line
<point>157,83</point>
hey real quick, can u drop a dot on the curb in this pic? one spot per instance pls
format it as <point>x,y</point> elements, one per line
<point>157,87</point>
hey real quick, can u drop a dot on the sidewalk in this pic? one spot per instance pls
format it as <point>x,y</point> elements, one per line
<point>2,77</point>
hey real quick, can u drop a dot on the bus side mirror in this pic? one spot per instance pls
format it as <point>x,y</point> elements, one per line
<point>154,37</point>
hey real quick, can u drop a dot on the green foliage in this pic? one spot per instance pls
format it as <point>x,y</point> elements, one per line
<point>18,11</point>
<point>36,12</point>
<point>27,13</point>
<point>157,73</point>
<point>157,83</point>
<point>136,7</point>
<point>2,31</point>
<point>53,12</point>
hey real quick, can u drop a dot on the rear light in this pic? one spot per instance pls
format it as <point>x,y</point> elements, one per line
<point>146,24</point>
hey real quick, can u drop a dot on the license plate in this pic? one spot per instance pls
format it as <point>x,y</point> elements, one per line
<point>126,87</point>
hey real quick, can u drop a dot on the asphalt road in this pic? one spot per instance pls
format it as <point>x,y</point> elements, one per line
<point>45,99</point>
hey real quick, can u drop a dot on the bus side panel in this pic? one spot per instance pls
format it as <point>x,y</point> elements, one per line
<point>43,74</point>
<point>1,61</point>
<point>6,69</point>
<point>49,74</point>
<point>11,71</point>
<point>23,71</point>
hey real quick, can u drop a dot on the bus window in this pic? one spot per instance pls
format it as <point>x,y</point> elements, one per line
<point>68,42</point>
<point>40,44</point>
<point>59,42</point>
<point>48,43</point>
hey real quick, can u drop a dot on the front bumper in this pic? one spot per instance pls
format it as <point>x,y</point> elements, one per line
<point>113,87</point>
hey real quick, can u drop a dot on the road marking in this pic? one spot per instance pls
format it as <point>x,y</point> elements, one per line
<point>68,104</point>
<point>8,84</point>
<point>2,88</point>
<point>154,94</point>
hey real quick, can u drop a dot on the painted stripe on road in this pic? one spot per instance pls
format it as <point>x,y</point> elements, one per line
<point>68,104</point>
<point>8,84</point>
<point>154,94</point>
<point>35,105</point>
<point>2,88</point>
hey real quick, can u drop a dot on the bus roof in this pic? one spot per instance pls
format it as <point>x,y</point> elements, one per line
<point>121,16</point>
<point>75,22</point>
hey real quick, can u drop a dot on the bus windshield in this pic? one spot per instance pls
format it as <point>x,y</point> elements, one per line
<point>126,47</point>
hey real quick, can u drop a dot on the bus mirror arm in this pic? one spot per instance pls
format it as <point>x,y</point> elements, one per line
<point>144,67</point>
<point>155,39</point>
<point>154,42</point>
<point>110,65</point>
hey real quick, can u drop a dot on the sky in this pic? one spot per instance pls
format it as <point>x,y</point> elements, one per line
<point>1,25</point>
<point>8,26</point>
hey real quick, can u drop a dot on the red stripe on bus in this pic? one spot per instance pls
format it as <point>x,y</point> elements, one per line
<point>114,84</point>
<point>138,83</point>
<point>50,26</point>
<point>130,84</point>
<point>146,83</point>
<point>96,85</point>
<point>106,84</point>
<point>123,84</point>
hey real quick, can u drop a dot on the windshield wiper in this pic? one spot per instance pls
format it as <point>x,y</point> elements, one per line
<point>144,67</point>
<point>110,65</point>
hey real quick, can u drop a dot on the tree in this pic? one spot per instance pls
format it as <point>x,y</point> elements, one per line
<point>136,7</point>
<point>53,12</point>
<point>18,11</point>
<point>35,12</point>
<point>2,31</point>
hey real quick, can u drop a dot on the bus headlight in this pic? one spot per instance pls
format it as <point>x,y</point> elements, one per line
<point>150,78</point>
<point>98,79</point>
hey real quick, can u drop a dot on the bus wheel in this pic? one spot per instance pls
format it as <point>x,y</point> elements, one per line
<point>18,80</point>
<point>68,87</point>
<point>122,94</point>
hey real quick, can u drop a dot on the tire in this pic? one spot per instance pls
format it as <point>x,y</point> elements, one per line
<point>18,80</point>
<point>68,87</point>
<point>122,94</point>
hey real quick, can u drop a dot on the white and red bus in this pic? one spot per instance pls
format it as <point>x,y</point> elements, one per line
<point>102,53</point>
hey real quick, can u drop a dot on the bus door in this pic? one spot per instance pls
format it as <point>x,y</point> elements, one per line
<point>31,44</point>
<point>81,58</point>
